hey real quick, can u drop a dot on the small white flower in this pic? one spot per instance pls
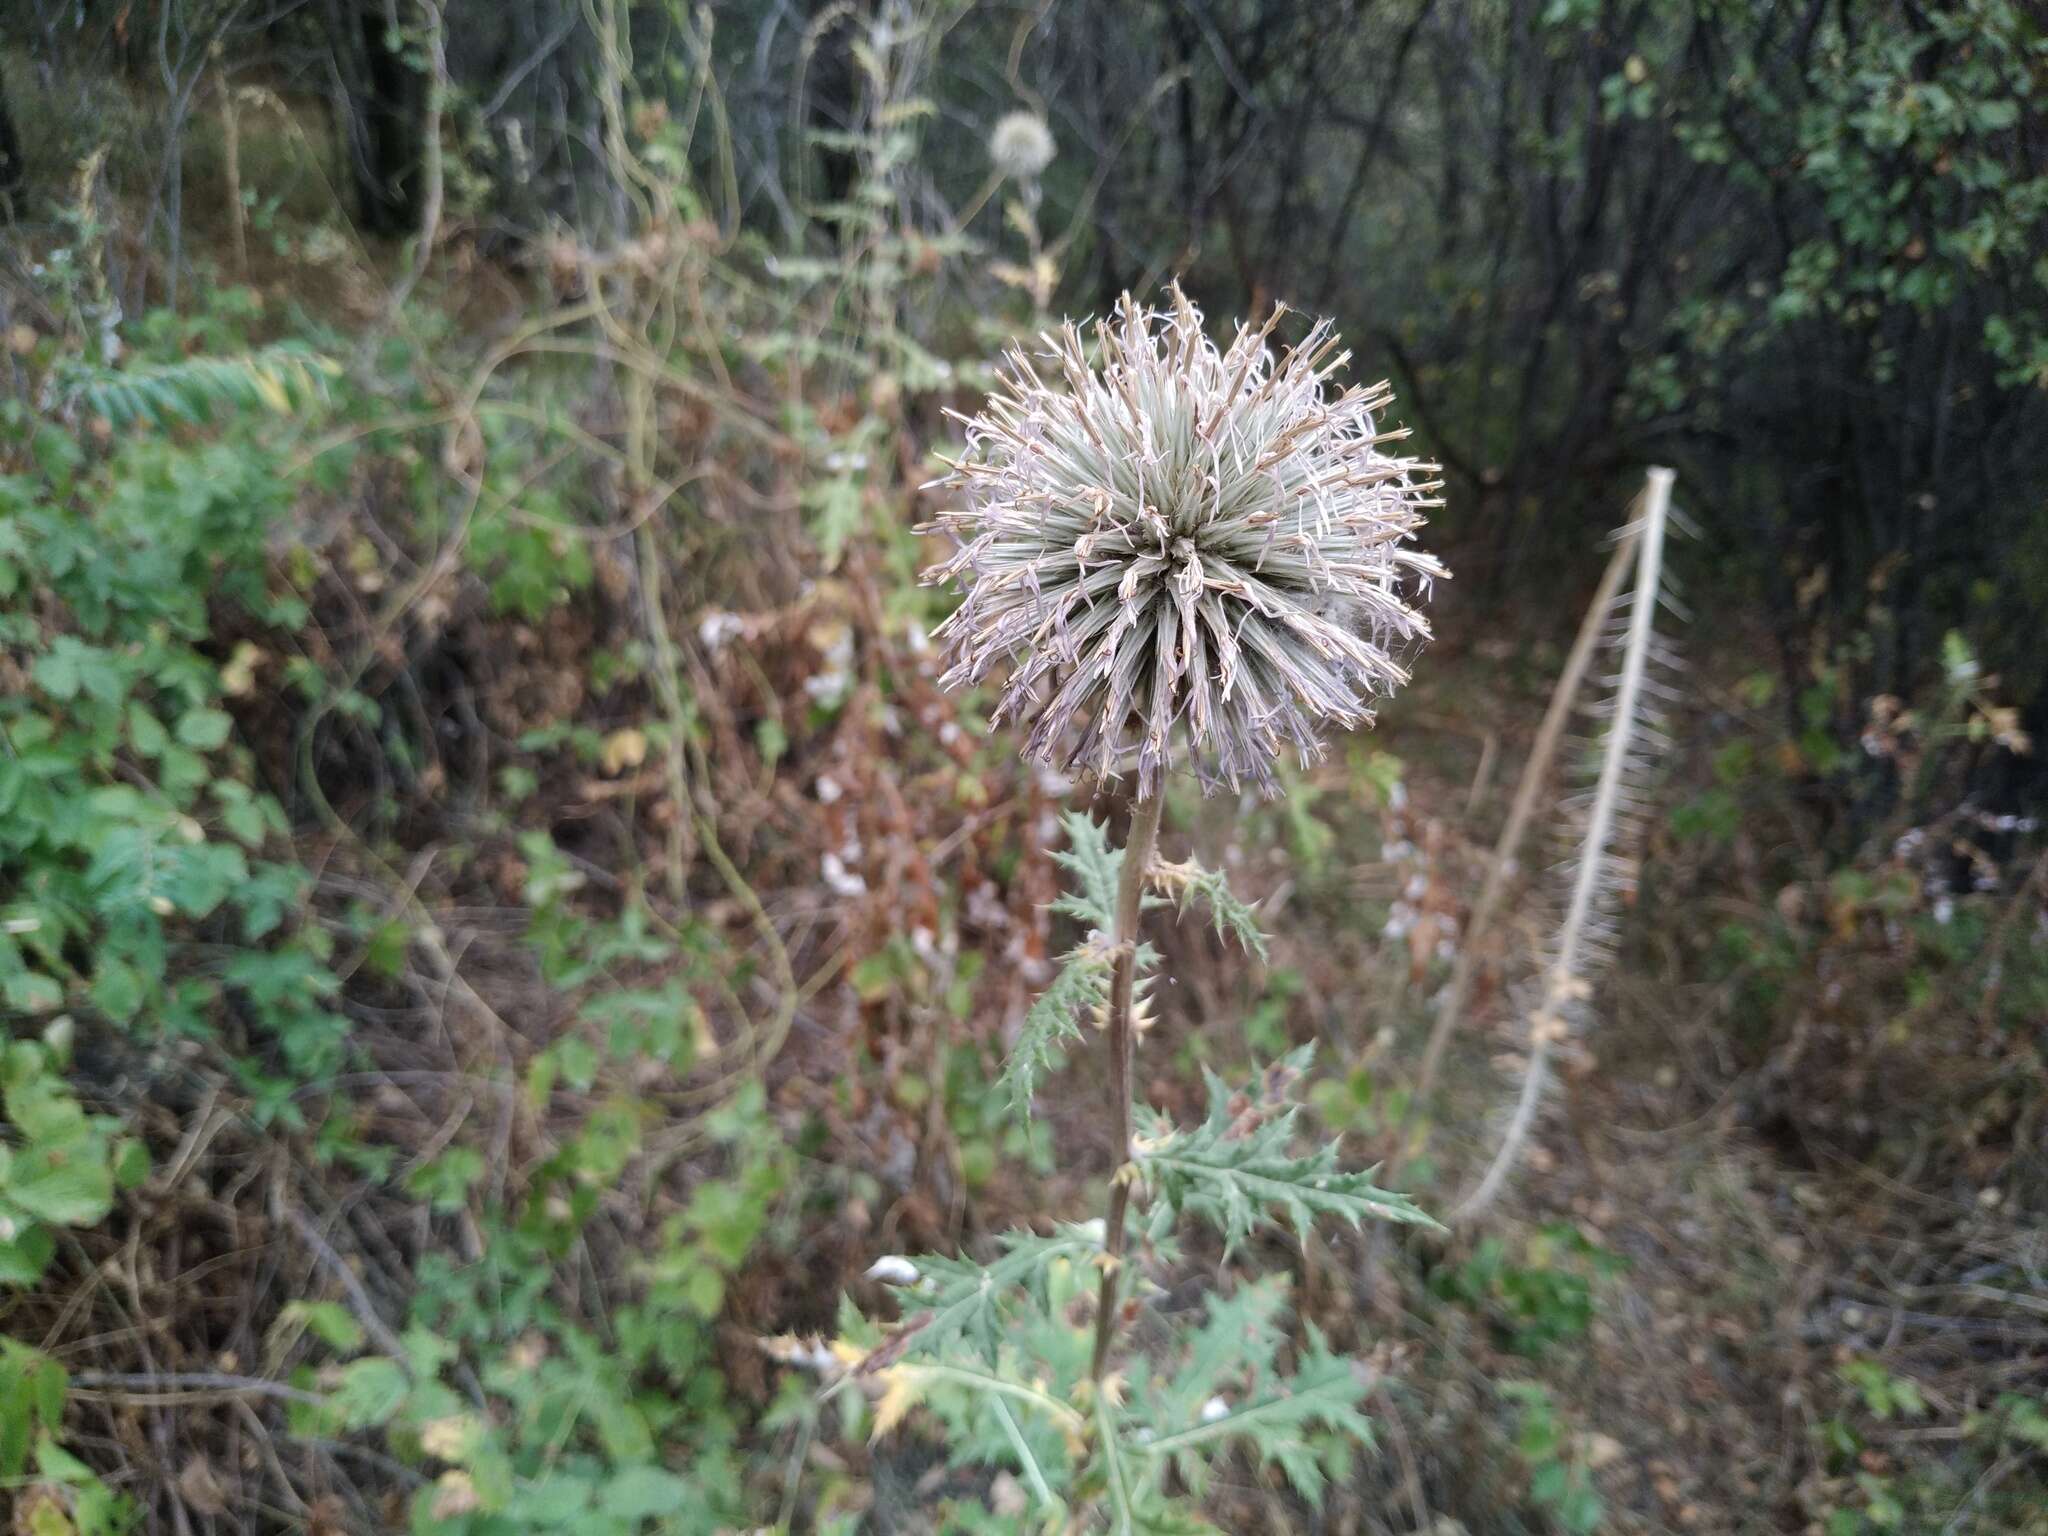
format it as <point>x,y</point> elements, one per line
<point>1215,1409</point>
<point>717,627</point>
<point>841,880</point>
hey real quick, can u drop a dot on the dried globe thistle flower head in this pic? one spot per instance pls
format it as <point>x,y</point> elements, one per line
<point>1021,146</point>
<point>1184,549</point>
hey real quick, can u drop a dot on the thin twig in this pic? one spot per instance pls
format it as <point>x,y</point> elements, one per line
<point>358,1299</point>
<point>183,1388</point>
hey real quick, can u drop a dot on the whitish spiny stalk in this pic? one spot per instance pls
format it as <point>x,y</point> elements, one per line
<point>1565,983</point>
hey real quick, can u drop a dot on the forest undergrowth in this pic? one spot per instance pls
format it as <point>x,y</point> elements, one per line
<point>501,930</point>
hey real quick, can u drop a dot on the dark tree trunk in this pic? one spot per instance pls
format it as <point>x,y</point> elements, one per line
<point>12,172</point>
<point>393,109</point>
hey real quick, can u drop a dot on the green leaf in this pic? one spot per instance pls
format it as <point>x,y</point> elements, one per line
<point>31,992</point>
<point>23,1260</point>
<point>1237,1169</point>
<point>1189,882</point>
<point>146,733</point>
<point>204,730</point>
<point>1096,866</point>
<point>1240,1336</point>
<point>1275,1418</point>
<point>328,1321</point>
<point>372,1391</point>
<point>67,1187</point>
<point>557,1503</point>
<point>1082,983</point>
<point>962,1301</point>
<point>644,1493</point>
<point>118,989</point>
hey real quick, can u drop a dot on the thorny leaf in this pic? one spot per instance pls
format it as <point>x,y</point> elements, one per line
<point>1237,1168</point>
<point>1233,918</point>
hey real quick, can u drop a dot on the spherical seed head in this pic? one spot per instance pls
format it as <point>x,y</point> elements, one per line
<point>1021,146</point>
<point>1185,553</point>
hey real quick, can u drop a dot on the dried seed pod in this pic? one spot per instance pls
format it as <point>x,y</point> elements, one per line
<point>1184,551</point>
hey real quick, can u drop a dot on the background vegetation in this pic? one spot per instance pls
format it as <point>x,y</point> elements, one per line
<point>499,929</point>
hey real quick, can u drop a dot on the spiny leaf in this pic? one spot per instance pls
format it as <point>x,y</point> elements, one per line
<point>1082,982</point>
<point>964,1300</point>
<point>1237,1169</point>
<point>1240,1336</point>
<point>1034,1475</point>
<point>1274,1420</point>
<point>1096,866</point>
<point>1190,881</point>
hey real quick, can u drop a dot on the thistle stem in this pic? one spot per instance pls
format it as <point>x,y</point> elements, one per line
<point>1130,891</point>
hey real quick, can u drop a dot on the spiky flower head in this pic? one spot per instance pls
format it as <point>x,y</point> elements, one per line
<point>1021,146</point>
<point>1184,551</point>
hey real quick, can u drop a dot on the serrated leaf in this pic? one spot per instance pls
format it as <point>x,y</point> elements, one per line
<point>1275,1420</point>
<point>963,1301</point>
<point>1095,866</point>
<point>1238,1170</point>
<point>1240,1335</point>
<point>203,730</point>
<point>644,1493</point>
<point>67,1187</point>
<point>1082,983</point>
<point>1189,882</point>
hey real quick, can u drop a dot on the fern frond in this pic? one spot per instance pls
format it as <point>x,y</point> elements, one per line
<point>1628,752</point>
<point>1238,1170</point>
<point>282,379</point>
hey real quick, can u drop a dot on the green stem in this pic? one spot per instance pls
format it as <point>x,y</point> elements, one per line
<point>1130,891</point>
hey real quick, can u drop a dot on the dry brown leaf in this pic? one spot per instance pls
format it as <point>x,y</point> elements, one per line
<point>622,750</point>
<point>199,1488</point>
